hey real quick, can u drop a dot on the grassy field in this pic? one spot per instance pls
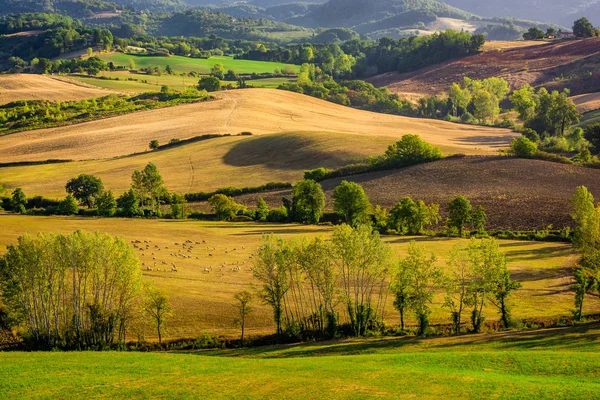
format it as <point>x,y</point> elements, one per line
<point>14,87</point>
<point>138,83</point>
<point>260,111</point>
<point>204,301</point>
<point>199,65</point>
<point>561,364</point>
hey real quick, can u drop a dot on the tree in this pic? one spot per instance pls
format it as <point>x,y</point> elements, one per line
<point>178,203</point>
<point>592,135</point>
<point>411,150</point>
<point>148,183</point>
<point>308,201</point>
<point>486,107</point>
<point>363,262</point>
<point>209,83</point>
<point>523,101</point>
<point>218,71</point>
<point>411,217</point>
<point>154,145</point>
<point>224,207</point>
<point>550,33</point>
<point>243,298</point>
<point>456,285</point>
<point>158,307</point>
<point>74,291</point>
<point>459,97</point>
<point>18,201</point>
<point>503,287</point>
<point>486,266</point>
<point>583,28</point>
<point>534,33</point>
<point>523,147</point>
<point>459,214</point>
<point>107,205</point>
<point>169,70</point>
<point>402,290</point>
<point>131,63</point>
<point>478,219</point>
<point>272,277</point>
<point>129,203</point>
<point>85,188</point>
<point>563,112</point>
<point>68,206</point>
<point>424,279</point>
<point>262,210</point>
<point>351,203</point>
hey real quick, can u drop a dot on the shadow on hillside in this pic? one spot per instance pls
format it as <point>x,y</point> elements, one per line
<point>284,152</point>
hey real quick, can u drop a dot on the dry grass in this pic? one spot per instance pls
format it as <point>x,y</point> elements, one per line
<point>14,87</point>
<point>204,301</point>
<point>260,111</point>
<point>587,102</point>
<point>238,161</point>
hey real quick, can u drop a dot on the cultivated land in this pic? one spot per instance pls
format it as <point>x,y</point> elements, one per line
<point>14,87</point>
<point>568,63</point>
<point>238,161</point>
<point>138,83</point>
<point>204,301</point>
<point>553,364</point>
<point>515,193</point>
<point>199,65</point>
<point>260,111</point>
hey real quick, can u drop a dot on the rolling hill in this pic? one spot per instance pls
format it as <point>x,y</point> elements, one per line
<point>516,193</point>
<point>574,64</point>
<point>15,87</point>
<point>259,111</point>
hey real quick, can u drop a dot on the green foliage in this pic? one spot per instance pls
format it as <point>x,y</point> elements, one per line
<point>478,219</point>
<point>90,285</point>
<point>262,210</point>
<point>308,202</point>
<point>106,204</point>
<point>351,203</point>
<point>459,214</point>
<point>534,33</point>
<point>154,145</point>
<point>409,217</point>
<point>148,187</point>
<point>523,147</point>
<point>583,28</point>
<point>225,207</point>
<point>128,203</point>
<point>411,150</point>
<point>68,206</point>
<point>27,115</point>
<point>85,188</point>
<point>209,83</point>
<point>18,201</point>
<point>318,174</point>
<point>592,135</point>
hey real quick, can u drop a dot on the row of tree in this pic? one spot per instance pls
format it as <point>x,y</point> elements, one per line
<point>321,288</point>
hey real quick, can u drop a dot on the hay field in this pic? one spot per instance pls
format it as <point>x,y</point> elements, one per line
<point>238,161</point>
<point>260,111</point>
<point>14,87</point>
<point>204,301</point>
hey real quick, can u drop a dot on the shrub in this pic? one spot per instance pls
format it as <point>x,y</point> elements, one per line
<point>531,135</point>
<point>317,175</point>
<point>411,150</point>
<point>523,147</point>
<point>225,207</point>
<point>556,145</point>
<point>278,215</point>
<point>209,83</point>
<point>468,118</point>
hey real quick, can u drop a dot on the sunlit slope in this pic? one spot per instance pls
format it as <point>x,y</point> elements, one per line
<point>260,111</point>
<point>14,87</point>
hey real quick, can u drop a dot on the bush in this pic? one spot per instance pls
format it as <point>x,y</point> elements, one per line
<point>209,83</point>
<point>278,215</point>
<point>317,175</point>
<point>468,118</point>
<point>523,147</point>
<point>531,135</point>
<point>411,150</point>
<point>556,145</point>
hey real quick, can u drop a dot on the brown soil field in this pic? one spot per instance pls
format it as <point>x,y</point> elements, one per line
<point>260,111</point>
<point>14,87</point>
<point>569,63</point>
<point>587,102</point>
<point>516,193</point>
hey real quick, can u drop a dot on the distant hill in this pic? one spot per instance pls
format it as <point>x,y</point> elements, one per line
<point>562,12</point>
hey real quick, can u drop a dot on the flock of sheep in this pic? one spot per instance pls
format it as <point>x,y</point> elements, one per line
<point>187,250</point>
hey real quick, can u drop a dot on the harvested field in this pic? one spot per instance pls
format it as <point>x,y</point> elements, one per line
<point>516,193</point>
<point>14,87</point>
<point>587,102</point>
<point>204,301</point>
<point>260,111</point>
<point>569,63</point>
<point>238,161</point>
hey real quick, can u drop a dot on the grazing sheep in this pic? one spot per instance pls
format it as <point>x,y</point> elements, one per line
<point>206,270</point>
